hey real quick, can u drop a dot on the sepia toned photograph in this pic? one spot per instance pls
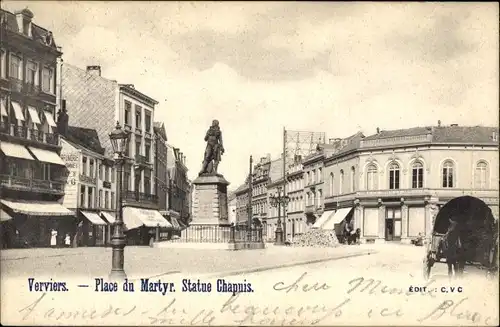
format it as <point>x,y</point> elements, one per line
<point>249,163</point>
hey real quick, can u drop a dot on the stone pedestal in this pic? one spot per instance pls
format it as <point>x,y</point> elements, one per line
<point>210,205</point>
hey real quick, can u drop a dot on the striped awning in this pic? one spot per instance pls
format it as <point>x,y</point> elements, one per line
<point>34,115</point>
<point>4,216</point>
<point>50,118</point>
<point>18,111</point>
<point>38,208</point>
<point>3,108</point>
<point>110,217</point>
<point>47,156</point>
<point>137,217</point>
<point>93,217</point>
<point>15,150</point>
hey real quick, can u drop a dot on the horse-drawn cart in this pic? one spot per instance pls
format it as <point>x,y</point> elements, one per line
<point>477,231</point>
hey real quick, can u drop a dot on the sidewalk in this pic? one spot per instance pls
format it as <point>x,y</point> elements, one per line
<point>96,262</point>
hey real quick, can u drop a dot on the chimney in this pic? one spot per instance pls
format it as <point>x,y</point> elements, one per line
<point>439,123</point>
<point>94,70</point>
<point>378,130</point>
<point>62,120</point>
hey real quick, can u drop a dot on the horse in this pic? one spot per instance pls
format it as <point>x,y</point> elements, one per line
<point>452,248</point>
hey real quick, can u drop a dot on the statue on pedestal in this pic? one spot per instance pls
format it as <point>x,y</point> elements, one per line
<point>213,151</point>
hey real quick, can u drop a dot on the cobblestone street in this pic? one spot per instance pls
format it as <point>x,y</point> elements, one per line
<point>96,262</point>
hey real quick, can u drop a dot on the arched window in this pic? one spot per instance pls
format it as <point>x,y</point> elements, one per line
<point>332,184</point>
<point>353,179</point>
<point>417,175</point>
<point>481,175</point>
<point>371,177</point>
<point>320,195</point>
<point>448,172</point>
<point>308,180</point>
<point>341,181</point>
<point>394,176</point>
<point>313,176</point>
<point>320,174</point>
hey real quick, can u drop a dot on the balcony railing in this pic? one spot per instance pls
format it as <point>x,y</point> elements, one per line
<point>19,131</point>
<point>30,134</point>
<point>16,84</point>
<point>31,88</point>
<point>138,130</point>
<point>141,160</point>
<point>28,184</point>
<point>140,197</point>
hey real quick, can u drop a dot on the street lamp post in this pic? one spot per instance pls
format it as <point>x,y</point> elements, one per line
<point>280,200</point>
<point>119,140</point>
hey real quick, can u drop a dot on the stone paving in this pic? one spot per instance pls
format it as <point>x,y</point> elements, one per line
<point>95,262</point>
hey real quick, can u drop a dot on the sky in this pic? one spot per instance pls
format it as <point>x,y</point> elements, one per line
<point>259,67</point>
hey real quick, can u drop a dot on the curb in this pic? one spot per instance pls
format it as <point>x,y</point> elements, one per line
<point>288,265</point>
<point>42,256</point>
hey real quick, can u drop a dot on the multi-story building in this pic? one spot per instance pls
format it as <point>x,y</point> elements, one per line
<point>345,174</point>
<point>393,182</point>
<point>260,177</point>
<point>179,193</point>
<point>275,181</point>
<point>242,198</point>
<point>295,191</point>
<point>90,186</point>
<point>161,167</point>
<point>231,198</point>
<point>30,166</point>
<point>99,103</point>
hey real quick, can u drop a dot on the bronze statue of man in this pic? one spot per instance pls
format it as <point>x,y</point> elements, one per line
<point>214,149</point>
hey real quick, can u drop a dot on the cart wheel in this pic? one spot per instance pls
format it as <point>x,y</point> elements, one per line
<point>427,265</point>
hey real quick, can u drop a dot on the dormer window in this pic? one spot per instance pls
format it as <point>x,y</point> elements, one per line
<point>24,18</point>
<point>26,27</point>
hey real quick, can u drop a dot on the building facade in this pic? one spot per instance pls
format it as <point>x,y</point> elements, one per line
<point>242,198</point>
<point>31,170</point>
<point>275,181</point>
<point>231,198</point>
<point>179,190</point>
<point>99,103</point>
<point>260,178</point>
<point>161,167</point>
<point>90,187</point>
<point>394,182</point>
<point>296,219</point>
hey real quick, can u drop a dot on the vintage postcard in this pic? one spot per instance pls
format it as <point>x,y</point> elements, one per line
<point>249,163</point>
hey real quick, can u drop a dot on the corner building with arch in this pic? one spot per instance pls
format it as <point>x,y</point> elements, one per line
<point>393,183</point>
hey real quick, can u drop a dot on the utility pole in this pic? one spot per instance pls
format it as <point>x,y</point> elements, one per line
<point>250,192</point>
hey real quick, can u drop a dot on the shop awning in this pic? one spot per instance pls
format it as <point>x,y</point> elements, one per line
<point>38,208</point>
<point>3,108</point>
<point>15,150</point>
<point>110,217</point>
<point>18,111</point>
<point>4,216</point>
<point>137,217</point>
<point>323,219</point>
<point>34,115</point>
<point>50,118</point>
<point>47,156</point>
<point>337,218</point>
<point>94,218</point>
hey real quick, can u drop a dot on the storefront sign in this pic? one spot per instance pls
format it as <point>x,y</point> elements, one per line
<point>71,157</point>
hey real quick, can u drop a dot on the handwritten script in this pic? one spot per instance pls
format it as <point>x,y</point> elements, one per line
<point>354,302</point>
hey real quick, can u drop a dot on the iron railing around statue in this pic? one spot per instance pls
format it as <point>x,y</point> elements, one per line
<point>219,234</point>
